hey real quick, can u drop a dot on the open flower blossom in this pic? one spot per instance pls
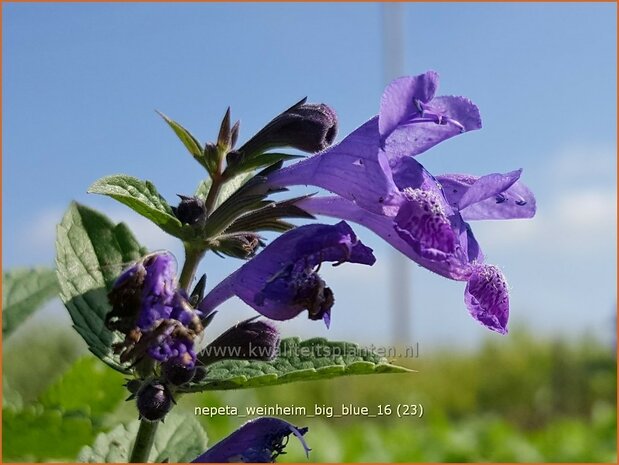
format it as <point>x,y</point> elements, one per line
<point>282,280</point>
<point>153,313</point>
<point>379,185</point>
<point>258,441</point>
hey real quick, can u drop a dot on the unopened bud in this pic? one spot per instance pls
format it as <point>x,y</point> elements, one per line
<point>190,210</point>
<point>154,401</point>
<point>239,245</point>
<point>249,340</point>
<point>308,127</point>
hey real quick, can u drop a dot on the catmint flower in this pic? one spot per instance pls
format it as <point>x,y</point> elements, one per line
<point>248,340</point>
<point>411,120</point>
<point>491,197</point>
<point>153,313</point>
<point>258,441</point>
<point>282,280</point>
<point>380,186</point>
<point>154,401</point>
<point>308,127</point>
<point>425,228</point>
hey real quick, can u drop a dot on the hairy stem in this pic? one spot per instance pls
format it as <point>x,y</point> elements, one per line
<point>143,442</point>
<point>192,260</point>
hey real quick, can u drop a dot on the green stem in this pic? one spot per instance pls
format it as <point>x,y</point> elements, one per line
<point>143,442</point>
<point>192,259</point>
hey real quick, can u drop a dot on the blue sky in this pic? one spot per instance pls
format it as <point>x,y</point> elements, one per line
<point>81,83</point>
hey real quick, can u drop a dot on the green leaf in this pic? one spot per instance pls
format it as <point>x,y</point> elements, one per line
<point>264,159</point>
<point>230,187</point>
<point>91,252</point>
<point>142,197</point>
<point>269,217</point>
<point>87,386</point>
<point>179,439</point>
<point>297,361</point>
<point>23,292</point>
<point>189,141</point>
<point>203,188</point>
<point>250,196</point>
<point>37,434</point>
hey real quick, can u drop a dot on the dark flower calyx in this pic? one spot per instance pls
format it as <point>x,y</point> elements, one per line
<point>308,127</point>
<point>190,210</point>
<point>154,401</point>
<point>125,298</point>
<point>133,385</point>
<point>199,374</point>
<point>176,373</point>
<point>238,245</point>
<point>198,291</point>
<point>248,340</point>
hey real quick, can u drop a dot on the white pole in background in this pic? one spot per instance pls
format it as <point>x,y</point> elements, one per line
<point>400,270</point>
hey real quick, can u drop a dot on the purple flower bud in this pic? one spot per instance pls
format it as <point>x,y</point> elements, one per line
<point>308,127</point>
<point>154,401</point>
<point>177,373</point>
<point>248,340</point>
<point>190,210</point>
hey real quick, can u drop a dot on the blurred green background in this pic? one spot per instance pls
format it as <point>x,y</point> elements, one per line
<point>521,399</point>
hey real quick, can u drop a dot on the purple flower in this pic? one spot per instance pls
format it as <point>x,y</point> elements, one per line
<point>494,196</point>
<point>411,120</point>
<point>380,186</point>
<point>282,280</point>
<point>158,289</point>
<point>427,229</point>
<point>257,441</point>
<point>153,313</point>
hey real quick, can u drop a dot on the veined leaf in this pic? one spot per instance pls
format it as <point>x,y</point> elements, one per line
<point>142,197</point>
<point>24,291</point>
<point>189,141</point>
<point>203,188</point>
<point>268,218</point>
<point>179,439</point>
<point>230,187</point>
<point>262,160</point>
<point>298,360</point>
<point>91,252</point>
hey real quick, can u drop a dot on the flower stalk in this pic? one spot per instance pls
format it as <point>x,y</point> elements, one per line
<point>143,442</point>
<point>192,260</point>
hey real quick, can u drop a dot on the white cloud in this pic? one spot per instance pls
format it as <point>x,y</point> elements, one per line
<point>584,163</point>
